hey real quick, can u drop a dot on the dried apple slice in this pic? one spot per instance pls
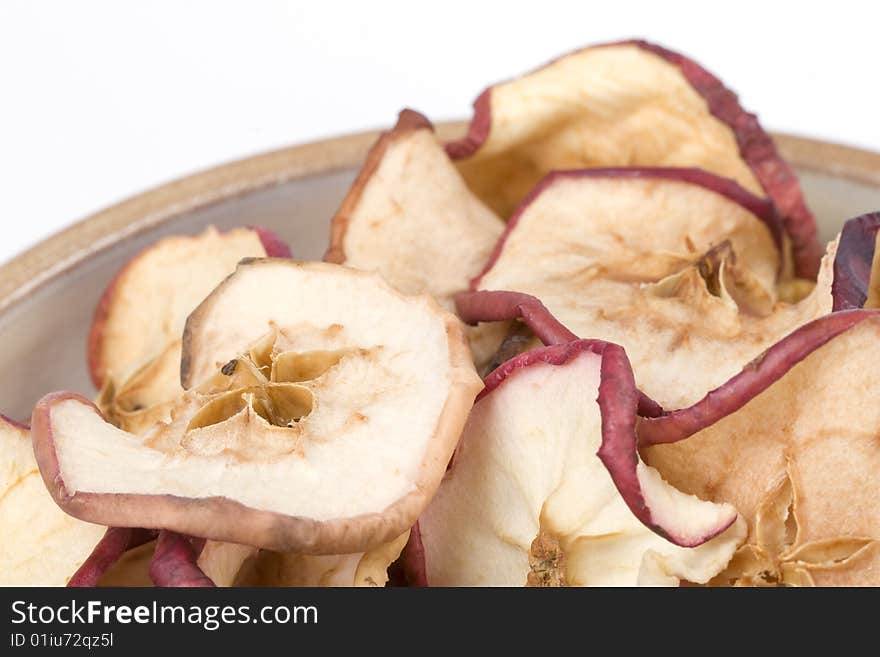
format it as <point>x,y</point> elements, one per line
<point>107,555</point>
<point>170,560</point>
<point>146,400</point>
<point>174,562</point>
<point>64,551</point>
<point>148,396</point>
<point>625,104</point>
<point>347,570</point>
<point>675,262</point>
<point>185,561</point>
<point>145,306</point>
<point>410,216</point>
<point>336,450</point>
<point>546,487</point>
<point>42,545</point>
<point>856,267</point>
<point>636,224</point>
<point>792,443</point>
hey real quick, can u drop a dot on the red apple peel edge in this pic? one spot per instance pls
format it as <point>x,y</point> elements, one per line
<point>756,148</point>
<point>853,261</point>
<point>175,562</point>
<point>618,400</point>
<point>116,542</point>
<point>757,376</point>
<point>500,305</point>
<point>272,244</point>
<point>762,208</point>
<point>408,120</point>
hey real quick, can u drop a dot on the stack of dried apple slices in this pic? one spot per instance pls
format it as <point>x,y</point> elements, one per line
<point>669,394</point>
<point>306,427</point>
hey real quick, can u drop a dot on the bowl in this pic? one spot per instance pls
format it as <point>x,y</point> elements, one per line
<point>48,293</point>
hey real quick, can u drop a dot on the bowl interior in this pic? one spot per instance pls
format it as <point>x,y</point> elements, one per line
<point>44,335</point>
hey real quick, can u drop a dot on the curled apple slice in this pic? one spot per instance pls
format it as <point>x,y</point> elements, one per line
<point>625,104</point>
<point>536,322</point>
<point>145,306</point>
<point>675,262</point>
<point>175,562</point>
<point>41,545</point>
<point>795,450</point>
<point>329,407</point>
<point>133,557</point>
<point>856,266</point>
<point>546,487</point>
<point>501,306</point>
<point>185,561</point>
<point>410,216</point>
<point>105,561</point>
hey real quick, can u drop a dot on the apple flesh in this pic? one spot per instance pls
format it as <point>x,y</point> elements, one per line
<point>855,267</point>
<point>689,211</point>
<point>144,308</point>
<point>796,454</point>
<point>756,376</point>
<point>660,261</point>
<point>42,545</point>
<point>107,553</point>
<point>625,104</point>
<point>546,487</point>
<point>148,396</point>
<point>410,217</point>
<point>354,385</point>
<point>142,403</point>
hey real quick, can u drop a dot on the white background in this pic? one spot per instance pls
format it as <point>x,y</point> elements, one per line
<point>102,99</point>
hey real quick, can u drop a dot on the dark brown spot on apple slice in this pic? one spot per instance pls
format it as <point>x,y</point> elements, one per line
<point>546,562</point>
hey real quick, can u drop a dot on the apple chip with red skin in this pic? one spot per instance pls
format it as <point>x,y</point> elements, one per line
<point>144,308</point>
<point>856,266</point>
<point>410,216</point>
<point>632,104</point>
<point>791,442</point>
<point>135,346</point>
<point>52,548</point>
<point>41,545</point>
<point>677,266</point>
<point>181,561</point>
<point>327,407</point>
<point>148,396</point>
<point>546,487</point>
<point>118,559</point>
